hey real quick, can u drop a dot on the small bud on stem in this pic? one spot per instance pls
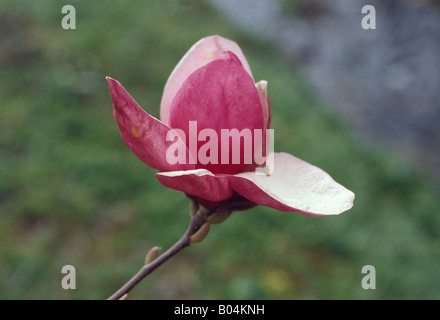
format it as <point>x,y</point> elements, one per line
<point>200,234</point>
<point>218,216</point>
<point>193,207</point>
<point>152,255</point>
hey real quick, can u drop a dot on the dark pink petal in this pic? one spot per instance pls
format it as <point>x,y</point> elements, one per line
<point>294,185</point>
<point>198,183</point>
<point>201,53</point>
<point>143,134</point>
<point>220,95</point>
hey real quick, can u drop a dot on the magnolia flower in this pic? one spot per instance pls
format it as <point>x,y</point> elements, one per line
<point>213,87</point>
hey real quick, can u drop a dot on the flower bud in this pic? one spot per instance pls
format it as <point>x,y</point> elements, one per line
<point>152,255</point>
<point>193,206</point>
<point>201,233</point>
<point>218,216</point>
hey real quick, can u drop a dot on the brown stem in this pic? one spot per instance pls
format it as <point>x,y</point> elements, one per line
<point>196,222</point>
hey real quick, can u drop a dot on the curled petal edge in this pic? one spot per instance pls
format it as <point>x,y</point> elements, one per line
<point>199,183</point>
<point>294,185</point>
<point>265,103</point>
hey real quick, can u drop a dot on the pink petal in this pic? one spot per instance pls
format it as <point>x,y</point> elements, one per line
<point>294,185</point>
<point>201,53</point>
<point>143,134</point>
<point>265,103</point>
<point>199,183</point>
<point>220,95</point>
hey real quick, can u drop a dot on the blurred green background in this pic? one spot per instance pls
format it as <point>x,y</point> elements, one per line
<point>71,192</point>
